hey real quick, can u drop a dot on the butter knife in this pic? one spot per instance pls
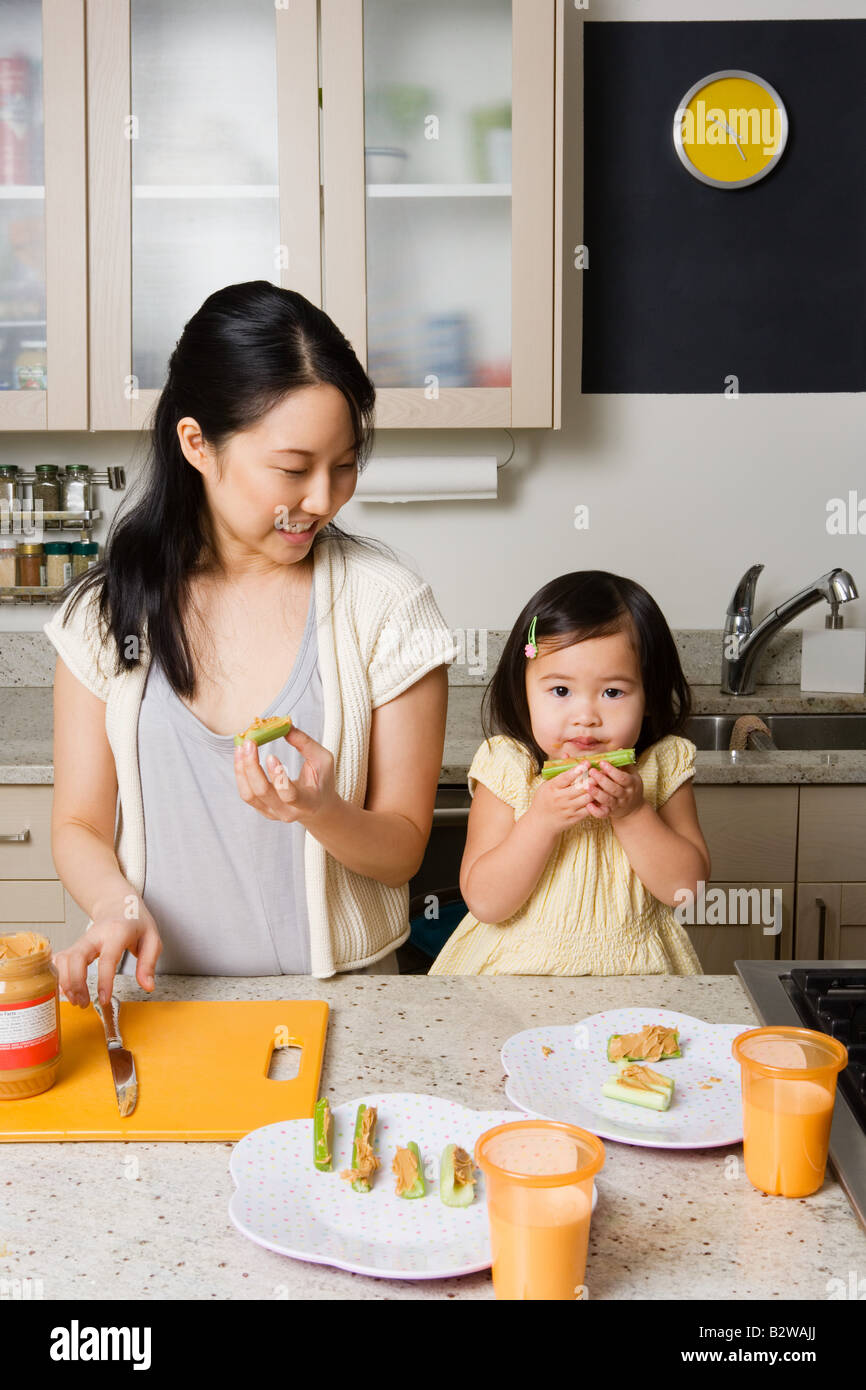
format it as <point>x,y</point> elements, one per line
<point>122,1064</point>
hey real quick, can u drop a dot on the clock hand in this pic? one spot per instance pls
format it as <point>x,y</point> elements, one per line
<point>717,120</point>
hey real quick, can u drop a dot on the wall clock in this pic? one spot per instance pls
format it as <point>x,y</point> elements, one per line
<point>730,129</point>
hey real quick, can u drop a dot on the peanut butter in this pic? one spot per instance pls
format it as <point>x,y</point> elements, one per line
<point>269,723</point>
<point>366,1161</point>
<point>653,1043</point>
<point>640,1077</point>
<point>29,1016</point>
<point>405,1169</point>
<point>22,943</point>
<point>463,1172</point>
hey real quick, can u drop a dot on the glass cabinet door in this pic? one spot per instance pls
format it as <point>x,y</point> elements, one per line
<point>205,196</point>
<point>441,154</point>
<point>204,172</point>
<point>43,216</point>
<point>437,137</point>
<point>23,364</point>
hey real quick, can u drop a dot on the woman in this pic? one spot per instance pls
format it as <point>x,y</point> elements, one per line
<point>228,592</point>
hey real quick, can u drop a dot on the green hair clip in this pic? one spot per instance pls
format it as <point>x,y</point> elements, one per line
<point>531,648</point>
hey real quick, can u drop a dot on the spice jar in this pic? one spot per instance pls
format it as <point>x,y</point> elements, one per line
<point>8,561</point>
<point>29,1016</point>
<point>77,488</point>
<point>31,567</point>
<point>46,489</point>
<point>85,554</point>
<point>58,563</point>
<point>8,483</point>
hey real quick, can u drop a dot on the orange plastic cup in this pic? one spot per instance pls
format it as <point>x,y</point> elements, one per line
<point>539,1177</point>
<point>789,1090</point>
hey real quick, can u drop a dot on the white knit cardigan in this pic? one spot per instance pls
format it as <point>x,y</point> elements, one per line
<point>379,631</point>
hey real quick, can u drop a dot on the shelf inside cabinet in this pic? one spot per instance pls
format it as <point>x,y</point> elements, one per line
<point>75,520</point>
<point>22,190</point>
<point>205,190</point>
<point>438,190</point>
<point>29,593</point>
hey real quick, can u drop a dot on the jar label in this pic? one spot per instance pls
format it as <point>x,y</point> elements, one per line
<point>28,1033</point>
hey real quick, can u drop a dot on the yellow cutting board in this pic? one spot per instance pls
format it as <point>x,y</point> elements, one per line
<point>202,1072</point>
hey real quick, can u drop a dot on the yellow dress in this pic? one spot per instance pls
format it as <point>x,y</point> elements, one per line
<point>589,913</point>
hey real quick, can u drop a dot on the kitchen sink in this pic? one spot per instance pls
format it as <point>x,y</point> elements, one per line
<point>794,731</point>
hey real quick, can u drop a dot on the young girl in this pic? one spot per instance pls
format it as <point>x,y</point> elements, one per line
<point>577,875</point>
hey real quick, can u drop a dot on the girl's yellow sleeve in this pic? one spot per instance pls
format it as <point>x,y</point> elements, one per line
<point>505,769</point>
<point>676,764</point>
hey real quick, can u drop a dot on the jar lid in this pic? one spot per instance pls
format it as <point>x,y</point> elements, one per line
<point>58,547</point>
<point>85,548</point>
<point>8,543</point>
<point>8,467</point>
<point>77,468</point>
<point>25,548</point>
<point>46,467</point>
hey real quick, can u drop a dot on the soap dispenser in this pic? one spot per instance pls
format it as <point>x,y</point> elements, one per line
<point>834,660</point>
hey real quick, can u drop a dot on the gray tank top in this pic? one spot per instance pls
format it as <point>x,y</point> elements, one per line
<point>225,886</point>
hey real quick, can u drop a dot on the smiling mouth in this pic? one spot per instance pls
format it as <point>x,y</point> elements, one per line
<point>296,528</point>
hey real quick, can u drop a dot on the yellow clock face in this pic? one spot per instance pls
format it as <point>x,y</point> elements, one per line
<point>730,129</point>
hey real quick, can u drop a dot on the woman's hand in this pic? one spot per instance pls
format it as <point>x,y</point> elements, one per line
<point>110,934</point>
<point>314,791</point>
<point>614,791</point>
<point>562,801</point>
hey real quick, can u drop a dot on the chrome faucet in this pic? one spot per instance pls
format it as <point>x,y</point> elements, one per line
<point>742,644</point>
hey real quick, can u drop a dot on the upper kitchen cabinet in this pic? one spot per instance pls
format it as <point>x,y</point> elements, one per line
<point>203,126</point>
<point>43,216</point>
<point>442,160</point>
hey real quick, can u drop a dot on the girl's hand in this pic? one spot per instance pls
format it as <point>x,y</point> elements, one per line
<point>313,793</point>
<point>112,932</point>
<point>614,791</point>
<point>562,801</point>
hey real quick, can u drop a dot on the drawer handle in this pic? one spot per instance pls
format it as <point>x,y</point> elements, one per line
<point>451,815</point>
<point>822,924</point>
<point>22,835</point>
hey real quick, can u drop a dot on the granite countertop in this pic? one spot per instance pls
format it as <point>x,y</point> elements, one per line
<point>687,1224</point>
<point>27,722</point>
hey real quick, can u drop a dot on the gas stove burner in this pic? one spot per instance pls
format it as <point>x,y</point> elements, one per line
<point>833,1001</point>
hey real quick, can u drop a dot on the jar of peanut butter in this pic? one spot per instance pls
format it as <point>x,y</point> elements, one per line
<point>29,1016</point>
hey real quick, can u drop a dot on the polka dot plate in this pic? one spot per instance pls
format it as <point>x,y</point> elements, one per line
<point>565,1083</point>
<point>285,1204</point>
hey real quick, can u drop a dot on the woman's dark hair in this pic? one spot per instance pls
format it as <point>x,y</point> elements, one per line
<point>247,347</point>
<point>590,603</point>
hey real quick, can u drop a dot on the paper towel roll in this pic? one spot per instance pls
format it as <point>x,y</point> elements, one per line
<point>427,479</point>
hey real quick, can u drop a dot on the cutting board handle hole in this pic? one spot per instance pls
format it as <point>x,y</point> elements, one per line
<point>285,1062</point>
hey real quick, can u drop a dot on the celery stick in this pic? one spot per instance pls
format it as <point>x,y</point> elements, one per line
<point>452,1192</point>
<point>618,757</point>
<point>322,1135</point>
<point>419,1187</point>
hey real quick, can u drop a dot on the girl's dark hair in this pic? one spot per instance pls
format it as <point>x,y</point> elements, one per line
<point>590,603</point>
<point>247,347</point>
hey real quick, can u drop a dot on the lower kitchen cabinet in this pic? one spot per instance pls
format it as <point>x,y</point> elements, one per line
<point>831,921</point>
<point>740,917</point>
<point>32,898</point>
<point>751,834</point>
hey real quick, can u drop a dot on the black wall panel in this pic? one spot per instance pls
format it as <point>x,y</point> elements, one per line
<point>688,284</point>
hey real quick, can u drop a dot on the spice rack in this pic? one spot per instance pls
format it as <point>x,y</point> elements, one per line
<point>19,517</point>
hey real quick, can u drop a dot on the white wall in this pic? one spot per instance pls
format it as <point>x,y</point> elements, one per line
<point>684,492</point>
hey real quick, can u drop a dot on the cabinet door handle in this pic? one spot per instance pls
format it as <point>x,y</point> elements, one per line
<point>451,815</point>
<point>822,925</point>
<point>22,835</point>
